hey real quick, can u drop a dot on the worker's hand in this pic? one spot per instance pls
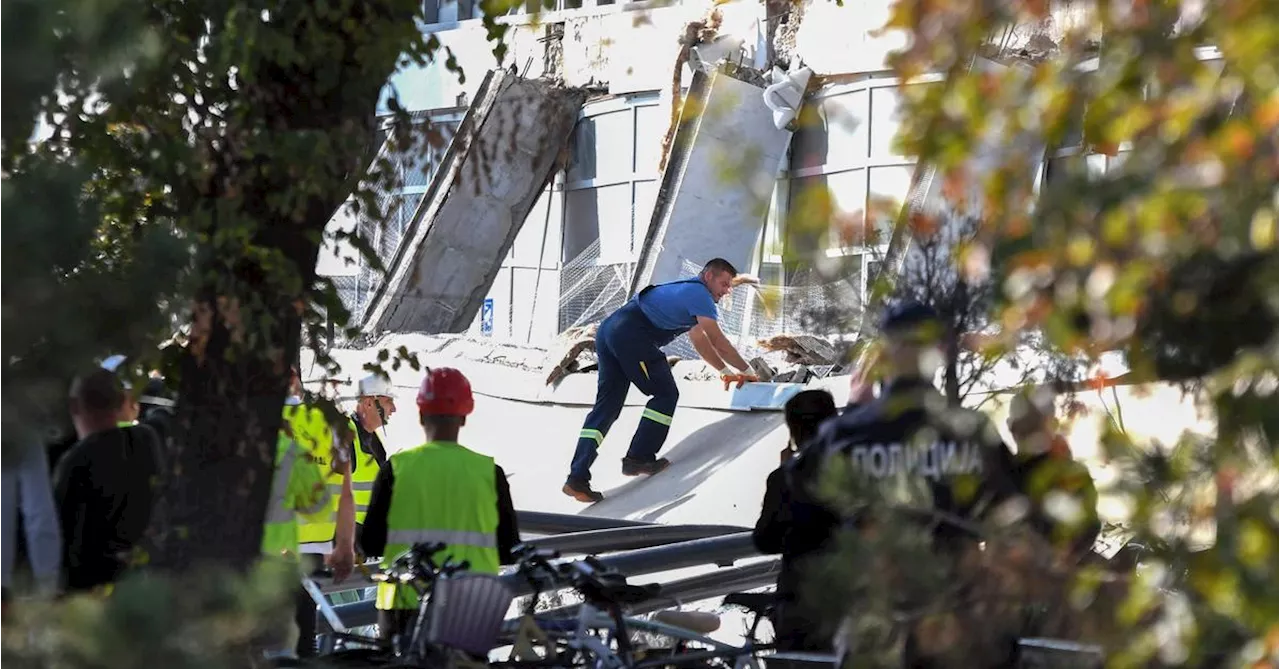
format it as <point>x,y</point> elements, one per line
<point>744,279</point>
<point>740,379</point>
<point>342,562</point>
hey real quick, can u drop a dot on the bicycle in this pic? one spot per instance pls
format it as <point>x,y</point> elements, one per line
<point>429,641</point>
<point>599,635</point>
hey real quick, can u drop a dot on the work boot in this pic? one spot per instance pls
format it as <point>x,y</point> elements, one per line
<point>632,467</point>
<point>581,491</point>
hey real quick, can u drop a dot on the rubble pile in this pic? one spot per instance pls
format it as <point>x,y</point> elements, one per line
<point>799,358</point>
<point>563,355</point>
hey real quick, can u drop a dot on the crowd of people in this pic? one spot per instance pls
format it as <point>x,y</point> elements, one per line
<point>76,514</point>
<point>337,494</point>
<point>912,458</point>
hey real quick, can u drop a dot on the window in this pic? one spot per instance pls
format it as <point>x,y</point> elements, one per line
<point>612,181</point>
<point>844,173</point>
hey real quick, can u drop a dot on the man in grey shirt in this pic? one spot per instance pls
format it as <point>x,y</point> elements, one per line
<point>27,489</point>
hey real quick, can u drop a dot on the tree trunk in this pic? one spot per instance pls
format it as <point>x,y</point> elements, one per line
<point>303,124</point>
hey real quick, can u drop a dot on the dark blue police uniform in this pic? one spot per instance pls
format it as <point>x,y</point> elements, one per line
<point>628,345</point>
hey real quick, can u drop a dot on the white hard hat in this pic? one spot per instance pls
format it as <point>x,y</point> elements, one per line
<point>375,385</point>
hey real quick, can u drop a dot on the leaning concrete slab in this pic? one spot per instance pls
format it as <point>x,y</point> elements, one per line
<point>499,162</point>
<point>718,181</point>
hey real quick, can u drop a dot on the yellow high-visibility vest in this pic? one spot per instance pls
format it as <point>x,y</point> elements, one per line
<point>364,473</point>
<point>447,493</point>
<point>307,426</point>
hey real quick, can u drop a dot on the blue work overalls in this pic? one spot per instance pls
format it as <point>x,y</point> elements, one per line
<point>628,346</point>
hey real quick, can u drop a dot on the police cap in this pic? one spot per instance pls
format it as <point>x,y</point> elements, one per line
<point>910,318</point>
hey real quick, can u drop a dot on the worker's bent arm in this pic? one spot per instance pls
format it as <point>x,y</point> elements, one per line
<point>508,525</point>
<point>705,350</point>
<point>723,348</point>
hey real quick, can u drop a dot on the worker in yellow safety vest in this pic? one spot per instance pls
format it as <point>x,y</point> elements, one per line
<point>329,532</point>
<point>297,486</point>
<point>374,407</point>
<point>439,491</point>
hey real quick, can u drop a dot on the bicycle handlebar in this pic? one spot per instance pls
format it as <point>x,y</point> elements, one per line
<point>589,576</point>
<point>418,564</point>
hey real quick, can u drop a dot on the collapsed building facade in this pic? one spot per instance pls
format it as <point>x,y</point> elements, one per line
<point>601,174</point>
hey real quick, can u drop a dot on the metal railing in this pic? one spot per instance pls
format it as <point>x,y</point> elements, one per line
<point>654,549</point>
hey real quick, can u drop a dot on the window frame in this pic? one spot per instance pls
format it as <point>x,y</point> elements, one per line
<point>630,103</point>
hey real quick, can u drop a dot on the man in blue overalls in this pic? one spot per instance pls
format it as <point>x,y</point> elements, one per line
<point>628,346</point>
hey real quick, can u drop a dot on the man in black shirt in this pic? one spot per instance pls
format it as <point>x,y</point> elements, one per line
<point>794,629</point>
<point>104,485</point>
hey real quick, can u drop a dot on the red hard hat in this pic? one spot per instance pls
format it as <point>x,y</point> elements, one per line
<point>445,392</point>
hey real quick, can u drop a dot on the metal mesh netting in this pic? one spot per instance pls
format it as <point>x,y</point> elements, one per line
<point>589,292</point>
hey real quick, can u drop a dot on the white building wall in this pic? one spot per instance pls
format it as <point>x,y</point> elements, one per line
<point>606,195</point>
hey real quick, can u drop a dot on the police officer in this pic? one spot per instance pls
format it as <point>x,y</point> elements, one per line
<point>440,491</point>
<point>914,460</point>
<point>628,346</point>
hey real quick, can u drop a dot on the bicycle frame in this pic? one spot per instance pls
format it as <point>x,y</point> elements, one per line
<point>590,618</point>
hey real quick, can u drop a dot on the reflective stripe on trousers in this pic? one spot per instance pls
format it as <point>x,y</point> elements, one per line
<point>449,537</point>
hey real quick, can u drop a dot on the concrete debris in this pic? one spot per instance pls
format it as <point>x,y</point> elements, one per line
<point>797,375</point>
<point>763,370</point>
<point>562,356</point>
<point>802,349</point>
<point>823,371</point>
<point>493,172</point>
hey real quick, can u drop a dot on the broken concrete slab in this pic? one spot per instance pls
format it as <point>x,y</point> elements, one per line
<point>762,369</point>
<point>802,349</point>
<point>704,210</point>
<point>494,171</point>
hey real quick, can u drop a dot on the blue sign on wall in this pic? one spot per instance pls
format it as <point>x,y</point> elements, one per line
<point>486,317</point>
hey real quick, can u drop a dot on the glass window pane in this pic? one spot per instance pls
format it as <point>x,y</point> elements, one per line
<point>775,222</point>
<point>606,211</point>
<point>646,193</point>
<point>846,116</point>
<point>885,120</point>
<point>887,189</point>
<point>1094,165</point>
<point>826,213</point>
<point>581,223</point>
<point>448,11</point>
<point>602,147</point>
<point>652,122</point>
<point>809,143</point>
